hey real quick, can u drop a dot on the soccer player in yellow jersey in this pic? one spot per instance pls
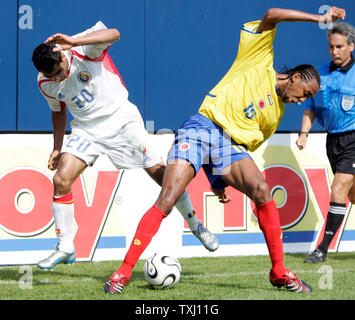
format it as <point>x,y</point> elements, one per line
<point>239,114</point>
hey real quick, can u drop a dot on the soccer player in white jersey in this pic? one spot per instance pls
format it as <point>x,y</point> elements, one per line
<point>76,72</point>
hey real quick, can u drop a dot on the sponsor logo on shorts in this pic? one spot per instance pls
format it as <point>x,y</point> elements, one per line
<point>184,146</point>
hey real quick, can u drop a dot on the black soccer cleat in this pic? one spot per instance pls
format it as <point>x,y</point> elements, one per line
<point>316,256</point>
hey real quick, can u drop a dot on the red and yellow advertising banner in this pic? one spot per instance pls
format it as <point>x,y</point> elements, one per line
<point>109,204</point>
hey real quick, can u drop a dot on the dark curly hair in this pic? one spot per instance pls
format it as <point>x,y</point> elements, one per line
<point>44,58</point>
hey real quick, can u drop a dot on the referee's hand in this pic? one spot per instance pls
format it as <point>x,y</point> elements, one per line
<point>301,141</point>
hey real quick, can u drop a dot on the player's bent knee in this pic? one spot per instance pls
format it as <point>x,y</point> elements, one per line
<point>167,200</point>
<point>165,205</point>
<point>261,192</point>
<point>61,186</point>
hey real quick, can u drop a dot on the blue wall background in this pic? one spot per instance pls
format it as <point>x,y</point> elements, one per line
<point>171,52</point>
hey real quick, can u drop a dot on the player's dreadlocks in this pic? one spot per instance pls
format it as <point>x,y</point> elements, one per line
<point>44,58</point>
<point>307,72</point>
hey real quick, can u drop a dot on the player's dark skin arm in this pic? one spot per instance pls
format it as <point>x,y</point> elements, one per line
<point>276,15</point>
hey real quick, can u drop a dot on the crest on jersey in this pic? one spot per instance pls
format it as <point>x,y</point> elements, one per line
<point>347,102</point>
<point>261,104</point>
<point>144,150</point>
<point>84,76</point>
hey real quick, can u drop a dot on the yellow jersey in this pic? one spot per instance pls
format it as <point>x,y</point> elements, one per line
<point>245,102</point>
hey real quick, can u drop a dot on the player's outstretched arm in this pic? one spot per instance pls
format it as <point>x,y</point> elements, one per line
<point>276,15</point>
<point>67,42</point>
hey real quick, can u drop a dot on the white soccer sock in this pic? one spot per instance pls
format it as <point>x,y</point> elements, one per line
<point>186,209</point>
<point>63,213</point>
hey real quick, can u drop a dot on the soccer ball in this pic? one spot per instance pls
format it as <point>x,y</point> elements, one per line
<point>162,271</point>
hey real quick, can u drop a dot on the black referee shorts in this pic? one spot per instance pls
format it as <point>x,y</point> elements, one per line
<point>341,151</point>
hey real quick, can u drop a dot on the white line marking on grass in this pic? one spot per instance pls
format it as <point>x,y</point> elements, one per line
<point>190,276</point>
<point>49,281</point>
<point>246,274</point>
<point>193,276</point>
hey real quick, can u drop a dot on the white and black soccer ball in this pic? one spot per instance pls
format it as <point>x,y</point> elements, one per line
<point>162,271</point>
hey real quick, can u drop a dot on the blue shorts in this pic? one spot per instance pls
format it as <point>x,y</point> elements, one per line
<point>204,144</point>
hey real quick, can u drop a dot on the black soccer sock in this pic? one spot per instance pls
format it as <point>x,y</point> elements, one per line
<point>335,218</point>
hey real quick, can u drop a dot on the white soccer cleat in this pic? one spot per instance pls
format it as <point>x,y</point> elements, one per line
<point>208,239</point>
<point>55,258</point>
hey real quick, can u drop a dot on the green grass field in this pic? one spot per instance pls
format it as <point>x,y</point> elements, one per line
<point>223,278</point>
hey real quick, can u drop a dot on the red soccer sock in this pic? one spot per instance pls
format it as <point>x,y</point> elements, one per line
<point>269,222</point>
<point>147,228</point>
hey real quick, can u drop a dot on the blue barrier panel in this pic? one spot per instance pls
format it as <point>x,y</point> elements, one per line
<point>8,70</point>
<point>71,17</point>
<point>192,44</point>
<point>171,53</point>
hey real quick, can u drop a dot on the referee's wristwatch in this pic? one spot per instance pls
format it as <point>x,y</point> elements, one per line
<point>302,132</point>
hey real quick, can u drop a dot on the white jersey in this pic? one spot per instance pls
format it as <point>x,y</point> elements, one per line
<point>105,122</point>
<point>93,90</point>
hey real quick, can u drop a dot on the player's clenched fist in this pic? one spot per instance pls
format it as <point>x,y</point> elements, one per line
<point>333,15</point>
